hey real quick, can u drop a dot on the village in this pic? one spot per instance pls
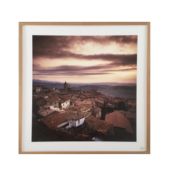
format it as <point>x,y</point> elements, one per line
<point>83,114</point>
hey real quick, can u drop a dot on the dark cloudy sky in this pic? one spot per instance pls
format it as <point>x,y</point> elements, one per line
<point>85,59</point>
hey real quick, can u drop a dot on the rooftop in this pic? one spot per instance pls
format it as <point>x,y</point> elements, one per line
<point>56,118</point>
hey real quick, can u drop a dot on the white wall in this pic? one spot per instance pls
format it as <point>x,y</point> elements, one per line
<point>160,13</point>
<point>65,104</point>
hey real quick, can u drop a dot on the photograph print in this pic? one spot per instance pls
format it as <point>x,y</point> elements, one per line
<point>84,88</point>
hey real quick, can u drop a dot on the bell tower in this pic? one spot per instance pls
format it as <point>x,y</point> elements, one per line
<point>65,85</point>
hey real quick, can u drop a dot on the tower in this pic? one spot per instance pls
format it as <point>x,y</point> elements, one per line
<point>65,85</point>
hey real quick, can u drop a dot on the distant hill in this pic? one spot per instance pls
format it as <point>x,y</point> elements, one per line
<point>114,90</point>
<point>48,84</point>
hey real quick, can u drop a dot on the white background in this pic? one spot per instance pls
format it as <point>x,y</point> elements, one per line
<point>160,13</point>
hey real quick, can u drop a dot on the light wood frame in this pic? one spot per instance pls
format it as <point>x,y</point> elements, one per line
<point>22,24</point>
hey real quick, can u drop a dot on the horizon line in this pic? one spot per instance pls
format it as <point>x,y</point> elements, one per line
<point>125,83</point>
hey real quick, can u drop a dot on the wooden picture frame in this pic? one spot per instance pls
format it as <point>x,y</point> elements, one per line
<point>27,32</point>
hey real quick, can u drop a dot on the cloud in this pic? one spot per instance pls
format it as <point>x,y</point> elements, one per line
<point>80,70</point>
<point>105,39</point>
<point>97,58</point>
<point>60,46</point>
<point>115,60</point>
<point>48,45</point>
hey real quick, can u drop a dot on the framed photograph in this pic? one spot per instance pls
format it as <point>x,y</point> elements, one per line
<point>84,87</point>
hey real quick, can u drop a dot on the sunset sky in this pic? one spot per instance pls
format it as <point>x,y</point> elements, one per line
<point>85,59</point>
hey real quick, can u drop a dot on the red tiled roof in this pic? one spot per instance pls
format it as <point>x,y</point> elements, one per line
<point>118,119</point>
<point>56,118</point>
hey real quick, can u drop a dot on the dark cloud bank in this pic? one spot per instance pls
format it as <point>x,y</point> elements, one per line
<point>55,47</point>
